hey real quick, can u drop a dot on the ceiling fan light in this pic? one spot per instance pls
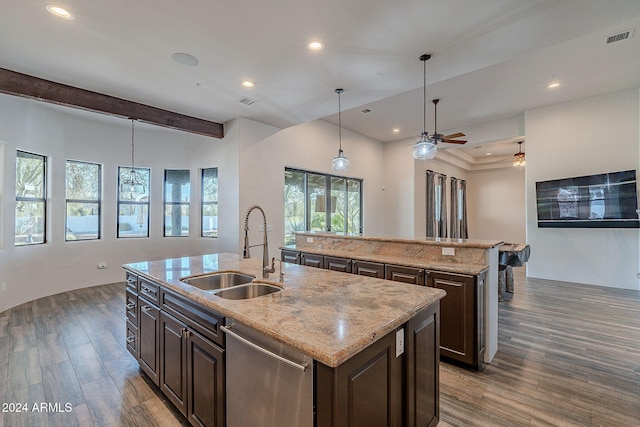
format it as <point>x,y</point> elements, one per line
<point>425,149</point>
<point>340,163</point>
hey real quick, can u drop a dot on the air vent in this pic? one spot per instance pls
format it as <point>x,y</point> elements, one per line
<point>247,101</point>
<point>366,110</point>
<point>620,36</point>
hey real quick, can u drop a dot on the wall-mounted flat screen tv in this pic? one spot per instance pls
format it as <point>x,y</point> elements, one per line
<point>607,200</point>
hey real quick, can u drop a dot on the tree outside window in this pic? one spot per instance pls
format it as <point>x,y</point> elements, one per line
<point>31,199</point>
<point>83,200</point>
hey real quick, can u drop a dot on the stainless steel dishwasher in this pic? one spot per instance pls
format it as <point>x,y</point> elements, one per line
<point>268,383</point>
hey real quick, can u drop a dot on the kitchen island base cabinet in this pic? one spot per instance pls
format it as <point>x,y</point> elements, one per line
<point>462,317</point>
<point>379,387</point>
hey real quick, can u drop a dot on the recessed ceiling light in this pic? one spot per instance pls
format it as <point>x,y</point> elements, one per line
<point>487,154</point>
<point>395,130</point>
<point>185,59</point>
<point>553,85</point>
<point>59,12</point>
<point>315,45</point>
<point>248,83</point>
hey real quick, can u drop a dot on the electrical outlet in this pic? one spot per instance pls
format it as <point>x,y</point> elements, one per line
<point>261,229</point>
<point>399,342</point>
<point>4,286</point>
<point>448,251</point>
<point>102,265</point>
<point>309,239</point>
<point>269,228</point>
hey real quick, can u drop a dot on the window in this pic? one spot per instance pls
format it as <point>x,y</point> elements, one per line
<point>177,197</point>
<point>209,212</point>
<point>307,207</point>
<point>31,199</point>
<point>84,204</point>
<point>133,202</point>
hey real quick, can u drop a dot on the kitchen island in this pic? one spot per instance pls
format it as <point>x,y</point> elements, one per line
<point>372,345</point>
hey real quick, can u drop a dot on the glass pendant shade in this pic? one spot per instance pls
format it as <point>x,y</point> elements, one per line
<point>340,163</point>
<point>425,149</point>
<point>131,186</point>
<point>518,158</point>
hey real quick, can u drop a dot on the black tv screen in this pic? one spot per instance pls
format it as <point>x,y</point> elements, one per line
<point>608,200</point>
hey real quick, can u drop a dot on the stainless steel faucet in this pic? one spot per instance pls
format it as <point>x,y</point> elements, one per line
<point>265,245</point>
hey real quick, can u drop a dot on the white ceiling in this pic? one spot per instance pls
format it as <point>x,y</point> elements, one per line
<point>491,59</point>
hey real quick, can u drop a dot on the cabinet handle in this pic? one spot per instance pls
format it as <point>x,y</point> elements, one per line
<point>131,339</point>
<point>187,333</point>
<point>147,308</point>
<point>303,367</point>
<point>147,290</point>
<point>131,306</point>
<point>131,281</point>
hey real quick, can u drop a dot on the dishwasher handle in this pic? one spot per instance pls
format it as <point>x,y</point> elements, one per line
<point>303,367</point>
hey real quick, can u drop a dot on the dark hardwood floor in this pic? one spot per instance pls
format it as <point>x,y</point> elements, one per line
<point>568,355</point>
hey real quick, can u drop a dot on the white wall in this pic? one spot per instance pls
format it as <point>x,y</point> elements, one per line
<point>62,133</point>
<point>399,201</point>
<point>265,152</point>
<point>496,204</point>
<point>593,135</point>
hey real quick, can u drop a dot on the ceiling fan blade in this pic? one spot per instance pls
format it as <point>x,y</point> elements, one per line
<point>454,141</point>
<point>453,135</point>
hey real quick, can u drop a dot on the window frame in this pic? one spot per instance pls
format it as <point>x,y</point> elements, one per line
<point>97,201</point>
<point>42,199</point>
<point>120,202</point>
<point>182,204</point>
<point>203,203</point>
<point>327,196</point>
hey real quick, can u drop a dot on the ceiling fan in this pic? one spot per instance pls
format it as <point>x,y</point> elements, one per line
<point>450,139</point>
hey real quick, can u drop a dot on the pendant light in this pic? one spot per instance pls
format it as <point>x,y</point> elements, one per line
<point>131,187</point>
<point>518,158</point>
<point>340,163</point>
<point>426,148</point>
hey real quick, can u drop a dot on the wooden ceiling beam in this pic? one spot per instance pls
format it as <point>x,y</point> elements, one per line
<point>26,86</point>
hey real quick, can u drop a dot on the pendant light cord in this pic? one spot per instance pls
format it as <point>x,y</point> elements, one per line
<point>424,96</point>
<point>339,91</point>
<point>132,145</point>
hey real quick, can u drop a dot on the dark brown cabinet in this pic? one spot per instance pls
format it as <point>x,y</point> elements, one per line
<point>411,275</point>
<point>148,332</point>
<point>462,317</point>
<point>291,257</point>
<point>366,268</point>
<point>312,260</point>
<point>192,373</point>
<point>383,386</point>
<point>337,264</point>
<point>179,347</point>
<point>422,373</point>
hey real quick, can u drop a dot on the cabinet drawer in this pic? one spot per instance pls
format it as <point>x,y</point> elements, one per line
<point>149,290</point>
<point>414,276</point>
<point>132,281</point>
<point>292,257</point>
<point>312,260</point>
<point>132,306</point>
<point>337,264</point>
<point>365,268</point>
<point>132,339</point>
<point>201,319</point>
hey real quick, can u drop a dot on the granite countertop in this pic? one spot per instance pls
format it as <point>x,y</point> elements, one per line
<point>327,315</point>
<point>446,241</point>
<point>450,267</point>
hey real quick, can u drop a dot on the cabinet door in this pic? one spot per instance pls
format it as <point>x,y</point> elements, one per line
<point>205,382</point>
<point>148,332</point>
<point>173,360</point>
<point>312,260</point>
<point>292,257</point>
<point>365,391</point>
<point>132,339</point>
<point>132,306</point>
<point>459,317</point>
<point>337,264</point>
<point>422,368</point>
<point>365,268</point>
<point>414,276</point>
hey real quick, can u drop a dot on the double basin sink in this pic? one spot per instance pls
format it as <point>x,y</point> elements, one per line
<point>231,285</point>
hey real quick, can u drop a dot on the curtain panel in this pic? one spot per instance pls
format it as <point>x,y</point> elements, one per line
<point>458,213</point>
<point>436,205</point>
